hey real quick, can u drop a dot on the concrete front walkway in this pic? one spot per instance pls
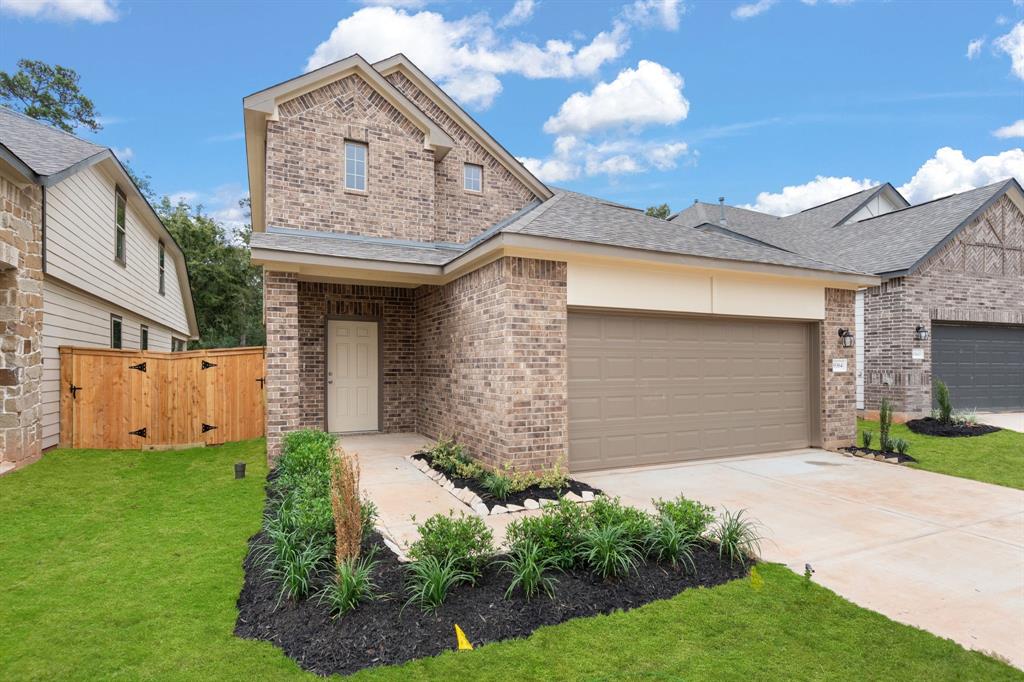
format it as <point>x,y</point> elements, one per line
<point>942,553</point>
<point>1014,421</point>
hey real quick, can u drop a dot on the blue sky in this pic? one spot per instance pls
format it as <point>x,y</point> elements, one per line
<point>777,105</point>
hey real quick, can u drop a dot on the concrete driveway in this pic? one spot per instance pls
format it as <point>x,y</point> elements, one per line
<point>1013,421</point>
<point>942,553</point>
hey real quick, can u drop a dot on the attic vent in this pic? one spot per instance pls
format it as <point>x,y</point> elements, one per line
<point>721,211</point>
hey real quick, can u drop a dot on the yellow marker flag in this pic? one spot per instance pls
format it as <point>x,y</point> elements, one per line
<point>460,637</point>
<point>756,581</point>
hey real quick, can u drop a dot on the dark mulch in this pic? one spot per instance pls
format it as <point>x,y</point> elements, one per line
<point>929,426</point>
<point>381,632</point>
<point>870,451</point>
<point>534,492</point>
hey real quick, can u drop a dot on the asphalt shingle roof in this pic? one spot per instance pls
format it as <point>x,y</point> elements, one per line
<point>44,149</point>
<point>345,246</point>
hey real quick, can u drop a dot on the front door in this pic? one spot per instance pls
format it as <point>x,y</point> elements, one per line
<point>353,379</point>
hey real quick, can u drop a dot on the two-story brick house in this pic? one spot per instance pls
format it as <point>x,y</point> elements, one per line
<point>418,278</point>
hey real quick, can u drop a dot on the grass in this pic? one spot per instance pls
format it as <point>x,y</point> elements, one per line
<point>993,458</point>
<point>127,565</point>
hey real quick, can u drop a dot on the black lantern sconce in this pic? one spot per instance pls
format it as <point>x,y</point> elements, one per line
<point>920,333</point>
<point>846,337</point>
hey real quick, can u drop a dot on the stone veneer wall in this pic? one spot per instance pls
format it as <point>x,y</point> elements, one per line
<point>978,277</point>
<point>394,309</point>
<point>21,323</point>
<point>838,390</point>
<point>281,316</point>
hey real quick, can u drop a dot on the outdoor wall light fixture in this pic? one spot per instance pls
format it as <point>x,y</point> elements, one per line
<point>920,333</point>
<point>846,337</point>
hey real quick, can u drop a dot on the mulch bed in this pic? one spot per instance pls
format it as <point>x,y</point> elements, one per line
<point>929,426</point>
<point>868,452</point>
<point>381,632</point>
<point>534,492</point>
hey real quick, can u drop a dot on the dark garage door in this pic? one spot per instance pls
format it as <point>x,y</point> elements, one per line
<point>982,365</point>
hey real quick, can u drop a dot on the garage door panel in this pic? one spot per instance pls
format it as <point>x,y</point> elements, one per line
<point>647,390</point>
<point>982,365</point>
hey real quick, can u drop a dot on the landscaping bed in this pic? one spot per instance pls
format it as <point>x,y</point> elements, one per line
<point>881,456</point>
<point>929,426</point>
<point>387,631</point>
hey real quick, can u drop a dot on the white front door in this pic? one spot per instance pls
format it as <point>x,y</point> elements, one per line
<point>352,376</point>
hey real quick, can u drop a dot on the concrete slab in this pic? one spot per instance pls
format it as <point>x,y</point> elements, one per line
<point>938,552</point>
<point>1004,420</point>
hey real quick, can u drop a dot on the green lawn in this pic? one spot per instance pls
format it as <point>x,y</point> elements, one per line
<point>128,565</point>
<point>992,458</point>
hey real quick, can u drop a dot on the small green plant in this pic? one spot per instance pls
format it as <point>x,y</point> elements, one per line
<point>636,525</point>
<point>965,417</point>
<point>609,551</point>
<point>737,537</point>
<point>555,478</point>
<point>521,480</point>
<point>499,486</point>
<point>556,532</point>
<point>808,572</point>
<point>690,517</point>
<point>884,424</point>
<point>468,470</point>
<point>669,542</point>
<point>901,445</point>
<point>529,568</point>
<point>298,565</point>
<point>353,584</point>
<point>448,456</point>
<point>465,540</point>
<point>367,517</point>
<point>945,404</point>
<point>430,579</point>
<point>866,437</point>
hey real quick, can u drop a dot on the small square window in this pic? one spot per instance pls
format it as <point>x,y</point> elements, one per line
<point>115,331</point>
<point>143,337</point>
<point>472,177</point>
<point>355,166</point>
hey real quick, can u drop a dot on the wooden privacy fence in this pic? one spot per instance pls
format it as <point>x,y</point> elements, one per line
<point>132,399</point>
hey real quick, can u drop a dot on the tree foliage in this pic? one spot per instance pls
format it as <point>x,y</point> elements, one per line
<point>48,93</point>
<point>662,211</point>
<point>226,287</point>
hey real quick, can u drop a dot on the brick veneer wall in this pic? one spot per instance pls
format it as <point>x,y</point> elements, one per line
<point>976,278</point>
<point>837,397</point>
<point>281,316</point>
<point>21,323</point>
<point>394,309</point>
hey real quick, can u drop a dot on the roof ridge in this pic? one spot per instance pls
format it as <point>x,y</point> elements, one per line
<point>832,201</point>
<point>936,199</point>
<point>55,129</point>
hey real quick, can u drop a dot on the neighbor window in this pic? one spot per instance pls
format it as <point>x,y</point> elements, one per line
<point>355,166</point>
<point>120,204</point>
<point>161,258</point>
<point>177,345</point>
<point>143,337</point>
<point>472,177</point>
<point>115,331</point>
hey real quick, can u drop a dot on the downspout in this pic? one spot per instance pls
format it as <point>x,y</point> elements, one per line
<point>43,227</point>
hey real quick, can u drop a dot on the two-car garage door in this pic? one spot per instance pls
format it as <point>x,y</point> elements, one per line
<point>647,389</point>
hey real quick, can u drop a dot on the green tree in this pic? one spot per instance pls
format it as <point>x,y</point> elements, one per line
<point>226,287</point>
<point>662,211</point>
<point>48,93</point>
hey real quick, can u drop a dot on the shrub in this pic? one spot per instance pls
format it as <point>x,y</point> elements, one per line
<point>884,424</point>
<point>672,543</point>
<point>636,525</point>
<point>529,566</point>
<point>348,515</point>
<point>367,517</point>
<point>353,584</point>
<point>555,478</point>
<point>296,562</point>
<point>556,533</point>
<point>468,470</point>
<point>865,439</point>
<point>466,540</point>
<point>608,550</point>
<point>901,445</point>
<point>737,537</point>
<point>430,579</point>
<point>306,509</point>
<point>942,398</point>
<point>521,480</point>
<point>448,456</point>
<point>966,417</point>
<point>305,453</point>
<point>690,517</point>
<point>497,485</point>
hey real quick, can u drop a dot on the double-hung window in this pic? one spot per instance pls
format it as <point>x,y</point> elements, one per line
<point>355,166</point>
<point>120,236</point>
<point>472,177</point>
<point>162,258</point>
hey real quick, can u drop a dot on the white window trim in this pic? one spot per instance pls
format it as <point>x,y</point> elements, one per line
<point>356,144</point>
<point>480,178</point>
<point>120,327</point>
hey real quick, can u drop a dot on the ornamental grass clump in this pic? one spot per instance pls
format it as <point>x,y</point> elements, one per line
<point>609,550</point>
<point>670,543</point>
<point>866,437</point>
<point>348,515</point>
<point>430,579</point>
<point>737,537</point>
<point>945,404</point>
<point>689,516</point>
<point>353,584</point>
<point>498,485</point>
<point>530,570</point>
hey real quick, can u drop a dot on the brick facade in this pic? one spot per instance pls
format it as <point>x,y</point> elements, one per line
<point>837,398</point>
<point>281,317</point>
<point>978,277</point>
<point>21,323</point>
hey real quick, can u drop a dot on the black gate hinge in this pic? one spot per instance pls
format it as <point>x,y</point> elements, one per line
<point>138,432</point>
<point>141,367</point>
<point>208,427</point>
<point>74,391</point>
<point>208,365</point>
<point>262,381</point>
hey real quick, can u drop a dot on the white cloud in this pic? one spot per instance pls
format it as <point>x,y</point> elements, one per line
<point>752,9</point>
<point>949,172</point>
<point>664,13</point>
<point>466,53</point>
<point>1015,129</point>
<point>124,154</point>
<point>520,13</point>
<point>408,4</point>
<point>551,170</point>
<point>648,94</point>
<point>573,156</point>
<point>974,47</point>
<point>795,198</point>
<point>95,11</point>
<point>1013,44</point>
<point>185,196</point>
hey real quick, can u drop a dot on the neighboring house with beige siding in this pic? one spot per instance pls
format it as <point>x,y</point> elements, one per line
<point>110,275</point>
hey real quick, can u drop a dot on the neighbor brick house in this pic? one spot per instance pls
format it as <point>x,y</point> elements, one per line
<point>418,278</point>
<point>950,305</point>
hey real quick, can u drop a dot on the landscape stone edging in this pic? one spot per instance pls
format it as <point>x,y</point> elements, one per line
<point>874,458</point>
<point>474,502</point>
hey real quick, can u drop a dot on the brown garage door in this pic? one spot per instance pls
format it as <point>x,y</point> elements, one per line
<point>652,389</point>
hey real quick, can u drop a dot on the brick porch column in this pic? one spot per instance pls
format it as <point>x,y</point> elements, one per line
<point>281,310</point>
<point>838,396</point>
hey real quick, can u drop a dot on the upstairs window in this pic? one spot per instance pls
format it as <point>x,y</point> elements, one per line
<point>177,345</point>
<point>161,258</point>
<point>115,331</point>
<point>472,177</point>
<point>355,166</point>
<point>120,209</point>
<point>143,337</point>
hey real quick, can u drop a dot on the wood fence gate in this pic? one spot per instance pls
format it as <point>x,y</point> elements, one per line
<point>131,399</point>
